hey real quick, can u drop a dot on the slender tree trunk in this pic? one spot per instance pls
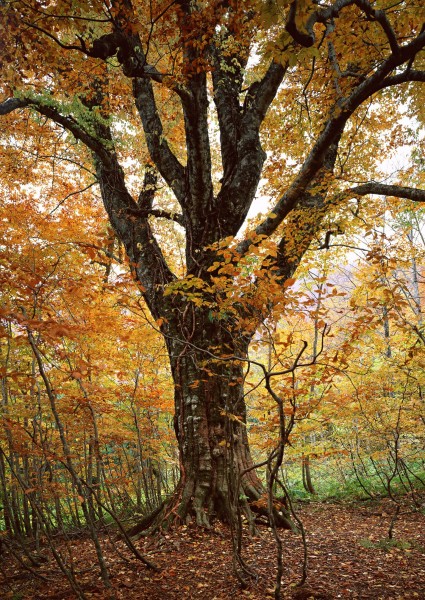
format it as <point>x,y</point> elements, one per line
<point>307,482</point>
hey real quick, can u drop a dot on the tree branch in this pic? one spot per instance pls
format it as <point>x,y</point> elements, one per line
<point>72,194</point>
<point>157,212</point>
<point>326,15</point>
<point>333,128</point>
<point>46,108</point>
<point>227,77</point>
<point>319,16</point>
<point>141,246</point>
<point>409,75</point>
<point>107,46</point>
<point>246,156</point>
<point>11,104</point>
<point>382,189</point>
<point>166,162</point>
<point>200,202</point>
<point>148,191</point>
<point>380,17</point>
<point>146,259</point>
<point>261,94</point>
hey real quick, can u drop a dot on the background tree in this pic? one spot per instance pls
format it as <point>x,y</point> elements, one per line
<point>117,84</point>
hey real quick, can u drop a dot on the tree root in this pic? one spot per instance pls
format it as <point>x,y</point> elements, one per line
<point>145,523</point>
<point>173,511</point>
<point>281,516</point>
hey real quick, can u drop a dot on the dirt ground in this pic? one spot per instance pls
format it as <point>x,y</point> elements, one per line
<point>348,558</point>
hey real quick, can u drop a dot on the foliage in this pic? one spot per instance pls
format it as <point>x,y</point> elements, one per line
<point>181,115</point>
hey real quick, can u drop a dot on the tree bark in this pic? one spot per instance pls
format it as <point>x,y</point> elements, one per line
<point>210,422</point>
<point>307,482</point>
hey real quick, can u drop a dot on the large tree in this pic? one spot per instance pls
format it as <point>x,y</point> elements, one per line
<point>139,87</point>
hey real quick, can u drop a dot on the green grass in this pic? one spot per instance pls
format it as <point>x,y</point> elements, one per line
<point>331,485</point>
<point>387,545</point>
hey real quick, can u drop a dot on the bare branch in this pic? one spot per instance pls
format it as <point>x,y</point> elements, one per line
<point>72,194</point>
<point>382,189</point>
<point>166,162</point>
<point>80,48</point>
<point>11,104</point>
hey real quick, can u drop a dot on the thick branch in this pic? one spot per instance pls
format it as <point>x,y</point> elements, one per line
<point>11,104</point>
<point>332,130</point>
<point>200,197</point>
<point>382,189</point>
<point>307,38</point>
<point>146,259</point>
<point>147,193</point>
<point>67,122</point>
<point>246,156</point>
<point>261,94</point>
<point>407,76</point>
<point>157,212</point>
<point>167,164</point>
<point>227,77</point>
<point>129,54</point>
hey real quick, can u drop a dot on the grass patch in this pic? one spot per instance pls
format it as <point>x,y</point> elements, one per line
<point>387,545</point>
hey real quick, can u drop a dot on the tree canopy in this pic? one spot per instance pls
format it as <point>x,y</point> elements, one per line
<point>179,116</point>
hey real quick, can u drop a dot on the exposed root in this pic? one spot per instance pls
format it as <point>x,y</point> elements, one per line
<point>175,511</point>
<point>145,523</point>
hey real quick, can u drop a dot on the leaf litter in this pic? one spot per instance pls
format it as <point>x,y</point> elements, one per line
<point>349,557</point>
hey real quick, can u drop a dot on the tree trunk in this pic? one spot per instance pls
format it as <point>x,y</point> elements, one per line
<point>216,467</point>
<point>307,482</point>
<point>210,424</point>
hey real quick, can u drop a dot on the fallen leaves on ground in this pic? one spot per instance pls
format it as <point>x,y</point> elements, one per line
<point>348,558</point>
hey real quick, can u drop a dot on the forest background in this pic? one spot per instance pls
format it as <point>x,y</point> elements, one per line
<point>169,361</point>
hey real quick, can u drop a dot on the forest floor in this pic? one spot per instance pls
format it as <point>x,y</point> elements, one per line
<point>348,558</point>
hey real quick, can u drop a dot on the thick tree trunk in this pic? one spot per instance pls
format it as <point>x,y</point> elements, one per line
<point>210,424</point>
<point>216,467</point>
